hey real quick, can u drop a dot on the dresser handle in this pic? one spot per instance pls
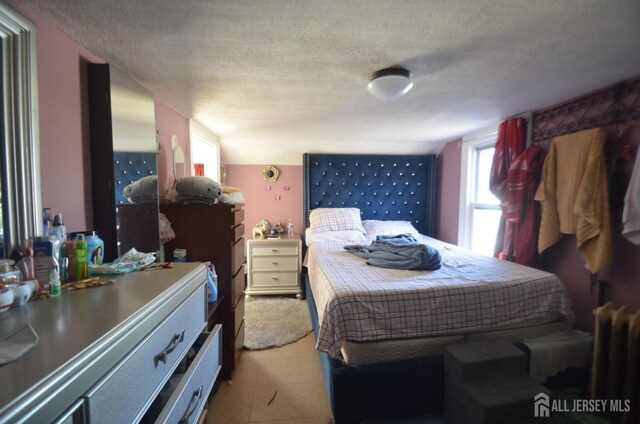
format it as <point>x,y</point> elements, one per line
<point>195,397</point>
<point>274,250</point>
<point>175,341</point>
<point>275,277</point>
<point>274,263</point>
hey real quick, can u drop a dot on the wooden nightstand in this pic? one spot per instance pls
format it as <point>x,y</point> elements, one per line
<point>274,266</point>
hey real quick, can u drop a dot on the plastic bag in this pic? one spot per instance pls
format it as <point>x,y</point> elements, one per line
<point>166,232</point>
<point>130,261</point>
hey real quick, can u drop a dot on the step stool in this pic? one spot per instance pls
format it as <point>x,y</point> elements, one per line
<point>487,383</point>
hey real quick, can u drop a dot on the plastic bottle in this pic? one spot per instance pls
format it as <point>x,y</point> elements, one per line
<point>290,228</point>
<point>82,260</point>
<point>54,283</point>
<point>70,253</point>
<point>58,230</point>
<point>212,284</point>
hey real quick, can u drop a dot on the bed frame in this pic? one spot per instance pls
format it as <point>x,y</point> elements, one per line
<point>393,187</point>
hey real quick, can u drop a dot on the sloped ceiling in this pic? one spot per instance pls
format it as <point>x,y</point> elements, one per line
<point>276,78</point>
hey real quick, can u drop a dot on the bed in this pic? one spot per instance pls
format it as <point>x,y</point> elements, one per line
<point>383,359</point>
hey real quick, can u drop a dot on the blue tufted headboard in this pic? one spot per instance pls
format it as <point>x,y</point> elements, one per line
<point>384,187</point>
<point>129,167</point>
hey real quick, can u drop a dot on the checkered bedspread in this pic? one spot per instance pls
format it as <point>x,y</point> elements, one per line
<point>469,293</point>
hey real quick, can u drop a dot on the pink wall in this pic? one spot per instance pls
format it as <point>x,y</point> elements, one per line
<point>561,259</point>
<point>448,201</point>
<point>260,203</point>
<point>64,154</point>
<point>169,123</point>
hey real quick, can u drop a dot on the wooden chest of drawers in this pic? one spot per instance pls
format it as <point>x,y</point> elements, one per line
<point>215,233</point>
<point>274,266</point>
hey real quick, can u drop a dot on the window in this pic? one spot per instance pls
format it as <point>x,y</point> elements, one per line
<point>479,208</point>
<point>205,151</point>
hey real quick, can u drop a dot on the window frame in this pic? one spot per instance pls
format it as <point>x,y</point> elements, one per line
<point>198,132</point>
<point>470,146</point>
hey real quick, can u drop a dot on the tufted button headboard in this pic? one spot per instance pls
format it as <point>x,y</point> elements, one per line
<point>129,167</point>
<point>384,187</point>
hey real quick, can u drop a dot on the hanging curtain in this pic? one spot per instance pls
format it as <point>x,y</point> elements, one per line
<point>510,143</point>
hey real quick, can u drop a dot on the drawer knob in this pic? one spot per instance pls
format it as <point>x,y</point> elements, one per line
<point>275,277</point>
<point>175,341</point>
<point>195,398</point>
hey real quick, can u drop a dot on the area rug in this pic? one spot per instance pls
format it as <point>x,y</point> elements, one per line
<point>275,321</point>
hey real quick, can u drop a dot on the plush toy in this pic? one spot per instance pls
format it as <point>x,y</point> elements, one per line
<point>197,189</point>
<point>261,229</point>
<point>231,195</point>
<point>145,190</point>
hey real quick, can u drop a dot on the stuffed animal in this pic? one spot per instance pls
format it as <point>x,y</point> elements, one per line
<point>145,190</point>
<point>231,195</point>
<point>197,189</point>
<point>261,229</point>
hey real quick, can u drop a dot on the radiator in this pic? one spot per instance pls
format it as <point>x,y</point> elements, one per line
<point>616,359</point>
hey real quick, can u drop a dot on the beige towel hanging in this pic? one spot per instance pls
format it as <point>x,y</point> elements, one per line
<point>574,197</point>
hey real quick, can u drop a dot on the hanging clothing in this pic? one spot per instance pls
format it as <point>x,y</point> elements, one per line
<point>631,211</point>
<point>521,211</point>
<point>510,143</point>
<point>574,197</point>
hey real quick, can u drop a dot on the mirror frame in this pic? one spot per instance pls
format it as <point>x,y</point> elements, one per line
<point>20,180</point>
<point>271,173</point>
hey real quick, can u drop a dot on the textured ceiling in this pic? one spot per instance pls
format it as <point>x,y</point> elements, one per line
<point>277,78</point>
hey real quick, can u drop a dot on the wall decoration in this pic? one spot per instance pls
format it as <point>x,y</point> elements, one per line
<point>267,188</point>
<point>286,188</point>
<point>271,173</point>
<point>277,197</point>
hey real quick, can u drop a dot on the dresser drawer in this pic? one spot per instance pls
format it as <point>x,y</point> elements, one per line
<point>237,286</point>
<point>238,232</point>
<point>274,263</point>
<point>274,279</point>
<point>237,256</point>
<point>238,216</point>
<point>274,251</point>
<point>127,390</point>
<point>238,314</point>
<point>190,397</point>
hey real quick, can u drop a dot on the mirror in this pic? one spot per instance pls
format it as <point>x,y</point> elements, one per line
<point>123,162</point>
<point>271,173</point>
<point>21,212</point>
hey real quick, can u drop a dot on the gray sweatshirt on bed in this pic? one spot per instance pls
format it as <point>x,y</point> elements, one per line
<point>399,252</point>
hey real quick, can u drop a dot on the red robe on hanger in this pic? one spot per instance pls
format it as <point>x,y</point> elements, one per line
<point>521,211</point>
<point>510,143</point>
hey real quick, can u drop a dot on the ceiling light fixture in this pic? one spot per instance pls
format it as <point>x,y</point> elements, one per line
<point>390,83</point>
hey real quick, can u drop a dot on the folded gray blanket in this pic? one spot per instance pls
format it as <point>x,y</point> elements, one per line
<point>398,252</point>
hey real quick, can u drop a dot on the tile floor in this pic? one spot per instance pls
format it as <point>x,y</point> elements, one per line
<point>281,385</point>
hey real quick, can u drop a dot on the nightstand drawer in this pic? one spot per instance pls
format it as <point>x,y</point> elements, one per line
<point>274,263</point>
<point>190,397</point>
<point>274,251</point>
<point>145,369</point>
<point>274,279</point>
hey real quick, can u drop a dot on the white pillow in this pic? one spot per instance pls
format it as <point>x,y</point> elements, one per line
<point>376,228</point>
<point>348,236</point>
<point>322,220</point>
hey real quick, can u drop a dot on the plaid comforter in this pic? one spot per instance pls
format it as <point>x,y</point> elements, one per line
<point>469,293</point>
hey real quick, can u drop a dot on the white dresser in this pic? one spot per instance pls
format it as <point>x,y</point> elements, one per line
<point>105,353</point>
<point>274,266</point>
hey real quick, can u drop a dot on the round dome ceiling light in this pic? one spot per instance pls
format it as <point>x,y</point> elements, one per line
<point>390,83</point>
